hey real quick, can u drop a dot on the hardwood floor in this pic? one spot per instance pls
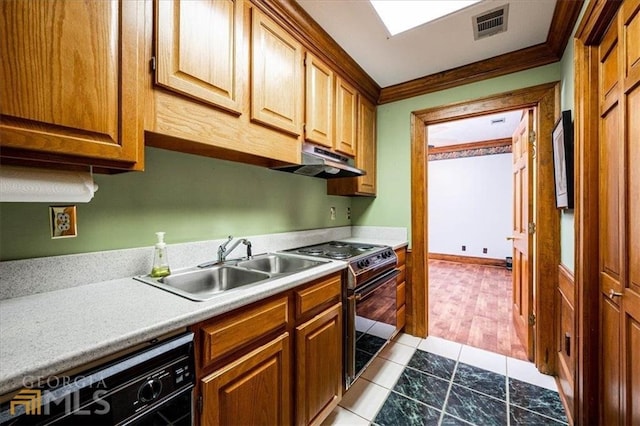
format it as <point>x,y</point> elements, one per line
<point>471,304</point>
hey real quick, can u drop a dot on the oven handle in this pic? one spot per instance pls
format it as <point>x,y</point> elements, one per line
<point>372,286</point>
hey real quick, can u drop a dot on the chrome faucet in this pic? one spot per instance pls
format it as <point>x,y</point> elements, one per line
<point>223,252</point>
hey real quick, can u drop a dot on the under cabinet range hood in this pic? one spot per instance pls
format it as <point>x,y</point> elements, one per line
<point>323,163</point>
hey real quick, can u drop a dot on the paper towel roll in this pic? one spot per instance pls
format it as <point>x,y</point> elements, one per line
<point>25,184</point>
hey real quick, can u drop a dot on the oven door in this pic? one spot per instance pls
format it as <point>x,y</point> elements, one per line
<point>371,322</point>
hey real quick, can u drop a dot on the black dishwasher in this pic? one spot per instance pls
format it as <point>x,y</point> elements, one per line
<point>153,386</point>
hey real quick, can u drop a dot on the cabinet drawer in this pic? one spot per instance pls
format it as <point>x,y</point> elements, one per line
<point>228,334</point>
<point>400,317</point>
<point>401,295</point>
<point>402,275</point>
<point>402,254</point>
<point>314,296</point>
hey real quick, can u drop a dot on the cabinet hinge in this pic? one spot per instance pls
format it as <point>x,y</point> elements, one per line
<point>532,228</point>
<point>152,63</point>
<point>200,404</point>
<point>532,319</point>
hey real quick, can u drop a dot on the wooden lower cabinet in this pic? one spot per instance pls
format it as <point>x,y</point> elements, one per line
<point>275,362</point>
<point>253,390</point>
<point>318,355</point>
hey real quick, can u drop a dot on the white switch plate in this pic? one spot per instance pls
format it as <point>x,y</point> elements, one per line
<point>332,212</point>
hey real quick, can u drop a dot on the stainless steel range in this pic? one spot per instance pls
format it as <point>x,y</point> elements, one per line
<point>369,299</point>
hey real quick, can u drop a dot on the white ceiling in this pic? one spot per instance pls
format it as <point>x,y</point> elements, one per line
<point>433,47</point>
<point>476,129</point>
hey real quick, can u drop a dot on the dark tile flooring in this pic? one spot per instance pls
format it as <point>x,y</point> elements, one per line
<point>434,390</point>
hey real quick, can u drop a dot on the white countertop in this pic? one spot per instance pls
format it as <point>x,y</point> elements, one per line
<point>49,333</point>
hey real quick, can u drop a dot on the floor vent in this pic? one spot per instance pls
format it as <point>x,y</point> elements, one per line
<point>491,22</point>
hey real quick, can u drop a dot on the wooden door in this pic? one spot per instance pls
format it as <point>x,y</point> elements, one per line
<point>71,81</point>
<point>319,101</point>
<point>619,207</point>
<point>318,361</point>
<point>253,390</point>
<point>277,95</point>
<point>198,50</point>
<point>522,240</point>
<point>346,117</point>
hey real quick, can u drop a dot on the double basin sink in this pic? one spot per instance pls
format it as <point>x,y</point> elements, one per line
<point>206,281</point>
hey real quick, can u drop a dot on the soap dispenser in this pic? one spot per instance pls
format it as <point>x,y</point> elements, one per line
<point>160,259</point>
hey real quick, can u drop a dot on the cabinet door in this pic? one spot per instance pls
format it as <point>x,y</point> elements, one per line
<point>366,157</point>
<point>319,102</point>
<point>318,366</point>
<point>346,117</point>
<point>198,49</point>
<point>71,81</point>
<point>253,390</point>
<point>276,76</point>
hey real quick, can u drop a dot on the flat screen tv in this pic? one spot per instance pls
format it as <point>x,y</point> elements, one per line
<point>562,140</point>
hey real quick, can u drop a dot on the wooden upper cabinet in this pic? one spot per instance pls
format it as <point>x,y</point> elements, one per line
<point>198,48</point>
<point>366,157</point>
<point>346,117</point>
<point>319,92</point>
<point>71,81</point>
<point>276,76</point>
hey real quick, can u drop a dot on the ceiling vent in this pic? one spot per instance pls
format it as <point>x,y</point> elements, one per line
<point>491,22</point>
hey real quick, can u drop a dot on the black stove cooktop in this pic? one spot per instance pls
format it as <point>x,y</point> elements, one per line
<point>339,250</point>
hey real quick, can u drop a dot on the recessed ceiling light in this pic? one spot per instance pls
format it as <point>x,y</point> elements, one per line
<point>402,15</point>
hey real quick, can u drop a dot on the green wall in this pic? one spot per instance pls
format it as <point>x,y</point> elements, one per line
<point>392,207</point>
<point>191,198</point>
<point>567,96</point>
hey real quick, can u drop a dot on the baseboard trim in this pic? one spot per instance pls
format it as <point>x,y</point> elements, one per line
<point>468,259</point>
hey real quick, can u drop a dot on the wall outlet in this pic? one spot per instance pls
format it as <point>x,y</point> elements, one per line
<point>332,213</point>
<point>484,250</point>
<point>348,213</point>
<point>62,221</point>
<point>464,248</point>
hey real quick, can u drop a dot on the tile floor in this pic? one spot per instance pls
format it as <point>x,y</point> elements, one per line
<point>471,304</point>
<point>434,381</point>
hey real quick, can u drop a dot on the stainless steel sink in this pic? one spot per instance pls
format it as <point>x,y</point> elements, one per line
<point>278,264</point>
<point>209,280</point>
<point>203,284</point>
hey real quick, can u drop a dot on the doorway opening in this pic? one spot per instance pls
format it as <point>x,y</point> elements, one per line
<point>544,263</point>
<point>471,216</point>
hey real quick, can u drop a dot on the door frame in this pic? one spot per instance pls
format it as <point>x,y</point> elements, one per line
<point>592,27</point>
<point>545,99</point>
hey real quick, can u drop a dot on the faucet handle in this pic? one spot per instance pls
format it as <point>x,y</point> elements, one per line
<point>224,245</point>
